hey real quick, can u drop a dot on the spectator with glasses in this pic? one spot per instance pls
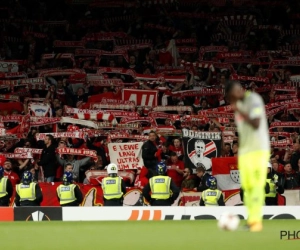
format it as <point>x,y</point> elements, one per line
<point>188,179</point>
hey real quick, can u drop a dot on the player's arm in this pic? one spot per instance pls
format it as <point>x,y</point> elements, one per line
<point>221,201</point>
<point>253,116</point>
<point>254,122</point>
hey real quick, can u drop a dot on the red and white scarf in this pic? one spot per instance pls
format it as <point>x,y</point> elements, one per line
<point>76,134</point>
<point>78,151</point>
<point>88,114</point>
<point>69,44</point>
<point>26,155</point>
<point>33,151</point>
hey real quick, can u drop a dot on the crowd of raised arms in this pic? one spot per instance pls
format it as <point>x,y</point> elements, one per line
<point>77,75</point>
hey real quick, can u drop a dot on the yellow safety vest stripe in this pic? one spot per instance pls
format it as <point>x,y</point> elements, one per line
<point>160,189</point>
<point>111,187</point>
<point>272,192</point>
<point>26,192</point>
<point>66,196</point>
<point>3,183</point>
<point>210,200</point>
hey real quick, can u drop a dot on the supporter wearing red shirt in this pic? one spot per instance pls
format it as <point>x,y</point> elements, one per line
<point>141,179</point>
<point>14,178</point>
<point>177,148</point>
<point>175,169</point>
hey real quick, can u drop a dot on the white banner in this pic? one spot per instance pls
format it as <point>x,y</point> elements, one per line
<point>2,131</point>
<point>9,66</point>
<point>40,109</point>
<point>126,155</point>
<point>292,197</point>
<point>170,213</point>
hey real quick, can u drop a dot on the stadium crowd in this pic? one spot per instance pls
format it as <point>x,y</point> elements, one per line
<point>89,51</point>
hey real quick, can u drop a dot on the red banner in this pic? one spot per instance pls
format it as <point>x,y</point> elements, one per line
<point>92,195</point>
<point>140,97</point>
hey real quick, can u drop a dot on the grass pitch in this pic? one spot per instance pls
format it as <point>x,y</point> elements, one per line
<point>143,235</point>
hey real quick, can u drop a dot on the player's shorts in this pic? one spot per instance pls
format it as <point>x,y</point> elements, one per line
<point>253,169</point>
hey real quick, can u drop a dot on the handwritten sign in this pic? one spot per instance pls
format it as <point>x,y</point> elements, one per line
<point>126,155</point>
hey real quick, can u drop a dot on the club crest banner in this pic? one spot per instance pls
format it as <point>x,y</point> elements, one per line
<point>200,147</point>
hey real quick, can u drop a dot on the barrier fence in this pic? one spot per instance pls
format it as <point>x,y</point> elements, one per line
<point>93,196</point>
<point>137,213</point>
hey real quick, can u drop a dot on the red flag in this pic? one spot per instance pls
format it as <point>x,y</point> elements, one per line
<point>226,172</point>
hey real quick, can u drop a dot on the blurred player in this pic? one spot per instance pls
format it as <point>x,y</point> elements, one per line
<point>254,149</point>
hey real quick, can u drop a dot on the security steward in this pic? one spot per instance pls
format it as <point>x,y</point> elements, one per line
<point>212,196</point>
<point>69,194</point>
<point>113,187</point>
<point>6,189</point>
<point>163,189</point>
<point>275,188</point>
<point>28,193</point>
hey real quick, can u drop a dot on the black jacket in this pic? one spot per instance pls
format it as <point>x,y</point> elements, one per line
<point>290,181</point>
<point>4,201</point>
<point>165,156</point>
<point>48,161</point>
<point>148,154</point>
<point>26,203</point>
<point>100,151</point>
<point>75,98</point>
<point>202,186</point>
<point>175,192</point>
<point>294,160</point>
<point>78,196</point>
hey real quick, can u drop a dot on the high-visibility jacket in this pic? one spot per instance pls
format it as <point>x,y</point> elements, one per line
<point>111,187</point>
<point>26,191</point>
<point>66,193</point>
<point>3,191</point>
<point>211,197</point>
<point>160,187</point>
<point>272,192</point>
